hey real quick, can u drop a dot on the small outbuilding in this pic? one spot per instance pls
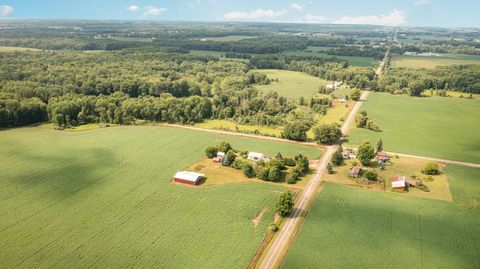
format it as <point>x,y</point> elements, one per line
<point>399,183</point>
<point>255,156</point>
<point>355,171</point>
<point>189,178</point>
<point>221,154</point>
<point>382,157</point>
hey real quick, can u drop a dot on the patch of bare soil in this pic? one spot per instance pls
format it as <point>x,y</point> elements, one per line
<point>259,217</point>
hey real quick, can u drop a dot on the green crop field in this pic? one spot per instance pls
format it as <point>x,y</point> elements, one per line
<point>358,228</point>
<point>291,84</point>
<point>433,61</point>
<point>352,60</point>
<point>103,198</point>
<point>17,49</point>
<point>440,127</point>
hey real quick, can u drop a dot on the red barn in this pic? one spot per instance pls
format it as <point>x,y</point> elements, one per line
<point>189,178</point>
<point>399,183</point>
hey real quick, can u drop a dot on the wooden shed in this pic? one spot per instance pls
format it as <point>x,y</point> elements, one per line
<point>399,183</point>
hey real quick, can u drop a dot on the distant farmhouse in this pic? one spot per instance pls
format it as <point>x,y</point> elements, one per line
<point>189,178</point>
<point>334,85</point>
<point>255,156</point>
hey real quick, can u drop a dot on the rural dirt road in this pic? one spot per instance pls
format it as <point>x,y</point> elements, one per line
<point>285,236</point>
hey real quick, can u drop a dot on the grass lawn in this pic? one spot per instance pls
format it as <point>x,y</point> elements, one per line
<point>291,84</point>
<point>400,166</point>
<point>103,198</point>
<point>357,228</point>
<point>19,49</point>
<point>410,61</point>
<point>430,126</point>
<point>232,126</point>
<point>352,60</point>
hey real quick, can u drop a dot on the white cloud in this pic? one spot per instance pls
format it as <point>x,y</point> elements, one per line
<point>421,2</point>
<point>309,18</point>
<point>151,11</point>
<point>6,11</point>
<point>296,6</point>
<point>133,8</point>
<point>396,17</point>
<point>255,14</point>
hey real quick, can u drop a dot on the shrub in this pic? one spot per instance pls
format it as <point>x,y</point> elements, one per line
<point>238,164</point>
<point>262,173</point>
<point>293,176</point>
<point>302,164</point>
<point>211,152</point>
<point>329,168</point>
<point>370,175</point>
<point>274,227</point>
<point>431,168</point>
<point>248,170</point>
<point>337,157</point>
<point>289,162</point>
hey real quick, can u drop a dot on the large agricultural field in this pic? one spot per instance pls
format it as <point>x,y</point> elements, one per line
<point>429,126</point>
<point>356,228</point>
<point>291,84</point>
<point>433,61</point>
<point>103,198</point>
<point>317,52</point>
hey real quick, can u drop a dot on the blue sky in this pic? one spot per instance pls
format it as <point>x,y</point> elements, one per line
<point>385,12</point>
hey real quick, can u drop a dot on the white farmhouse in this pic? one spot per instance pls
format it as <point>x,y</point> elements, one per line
<point>255,156</point>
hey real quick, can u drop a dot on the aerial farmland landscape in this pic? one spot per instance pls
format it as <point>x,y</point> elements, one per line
<point>239,134</point>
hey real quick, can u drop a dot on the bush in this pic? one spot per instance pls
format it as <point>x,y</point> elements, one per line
<point>431,168</point>
<point>238,164</point>
<point>302,164</point>
<point>274,227</point>
<point>262,173</point>
<point>370,175</point>
<point>248,170</point>
<point>293,176</point>
<point>289,162</point>
<point>211,152</point>
<point>429,179</point>
<point>337,157</point>
<point>329,168</point>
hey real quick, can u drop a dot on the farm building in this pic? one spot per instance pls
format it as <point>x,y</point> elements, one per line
<point>189,178</point>
<point>217,159</point>
<point>343,99</point>
<point>413,182</point>
<point>399,183</point>
<point>255,156</point>
<point>382,157</point>
<point>355,171</point>
<point>221,154</point>
<point>334,85</point>
<point>349,154</point>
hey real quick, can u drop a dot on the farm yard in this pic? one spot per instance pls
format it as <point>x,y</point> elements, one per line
<point>428,126</point>
<point>388,230</point>
<point>410,61</point>
<point>104,198</point>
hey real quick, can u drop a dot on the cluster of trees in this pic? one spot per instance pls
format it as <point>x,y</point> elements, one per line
<point>296,130</point>
<point>284,204</point>
<point>271,170</point>
<point>463,78</point>
<point>236,55</point>
<point>365,51</point>
<point>327,133</point>
<point>431,168</point>
<point>363,121</point>
<point>21,111</point>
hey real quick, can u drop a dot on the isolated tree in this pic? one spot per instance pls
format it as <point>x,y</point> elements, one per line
<point>431,168</point>
<point>296,130</point>
<point>361,120</point>
<point>211,151</point>
<point>279,156</point>
<point>337,157</point>
<point>285,204</point>
<point>365,153</point>
<point>328,133</point>
<point>355,94</point>
<point>379,146</point>
<point>248,170</point>
<point>329,168</point>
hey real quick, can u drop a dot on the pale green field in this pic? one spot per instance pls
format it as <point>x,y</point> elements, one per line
<point>235,127</point>
<point>103,198</point>
<point>433,61</point>
<point>357,228</point>
<point>439,127</point>
<point>291,84</point>
<point>19,49</point>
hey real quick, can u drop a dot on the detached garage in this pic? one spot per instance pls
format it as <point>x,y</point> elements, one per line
<point>189,178</point>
